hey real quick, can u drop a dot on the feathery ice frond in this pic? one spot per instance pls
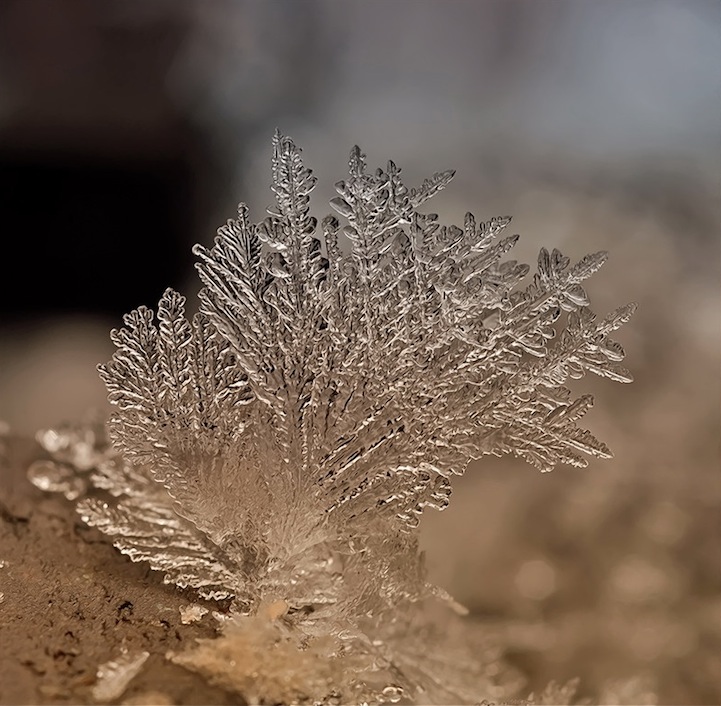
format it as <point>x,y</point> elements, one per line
<point>335,378</point>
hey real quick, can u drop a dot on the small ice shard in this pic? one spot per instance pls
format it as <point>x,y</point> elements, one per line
<point>76,445</point>
<point>393,693</point>
<point>57,478</point>
<point>114,676</point>
<point>222,617</point>
<point>192,613</point>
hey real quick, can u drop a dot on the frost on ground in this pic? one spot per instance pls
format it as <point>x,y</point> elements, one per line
<point>279,447</point>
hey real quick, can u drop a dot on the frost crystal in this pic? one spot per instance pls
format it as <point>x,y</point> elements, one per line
<point>279,446</point>
<point>192,613</point>
<point>114,676</point>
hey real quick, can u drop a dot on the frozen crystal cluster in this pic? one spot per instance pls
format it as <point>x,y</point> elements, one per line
<point>279,446</point>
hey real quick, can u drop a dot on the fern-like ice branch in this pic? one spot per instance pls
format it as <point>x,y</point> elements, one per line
<point>333,382</point>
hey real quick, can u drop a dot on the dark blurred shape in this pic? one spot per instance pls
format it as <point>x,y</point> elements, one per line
<point>98,194</point>
<point>115,147</point>
<point>77,229</point>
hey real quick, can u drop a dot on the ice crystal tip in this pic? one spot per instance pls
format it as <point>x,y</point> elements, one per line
<point>284,440</point>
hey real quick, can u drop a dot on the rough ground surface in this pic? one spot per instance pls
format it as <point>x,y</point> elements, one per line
<point>70,602</point>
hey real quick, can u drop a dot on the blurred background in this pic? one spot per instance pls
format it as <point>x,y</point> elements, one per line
<point>130,129</point>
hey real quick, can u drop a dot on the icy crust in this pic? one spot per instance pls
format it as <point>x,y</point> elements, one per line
<point>279,446</point>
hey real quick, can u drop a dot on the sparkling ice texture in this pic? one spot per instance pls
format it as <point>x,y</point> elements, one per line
<point>280,446</point>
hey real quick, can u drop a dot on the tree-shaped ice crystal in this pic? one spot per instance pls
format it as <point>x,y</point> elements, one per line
<point>281,445</point>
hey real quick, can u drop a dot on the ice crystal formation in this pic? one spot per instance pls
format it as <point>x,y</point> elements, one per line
<point>279,446</point>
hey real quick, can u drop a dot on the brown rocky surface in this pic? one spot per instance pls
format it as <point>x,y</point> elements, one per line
<point>70,602</point>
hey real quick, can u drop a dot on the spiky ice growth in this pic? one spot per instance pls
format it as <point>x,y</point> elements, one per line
<point>280,446</point>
